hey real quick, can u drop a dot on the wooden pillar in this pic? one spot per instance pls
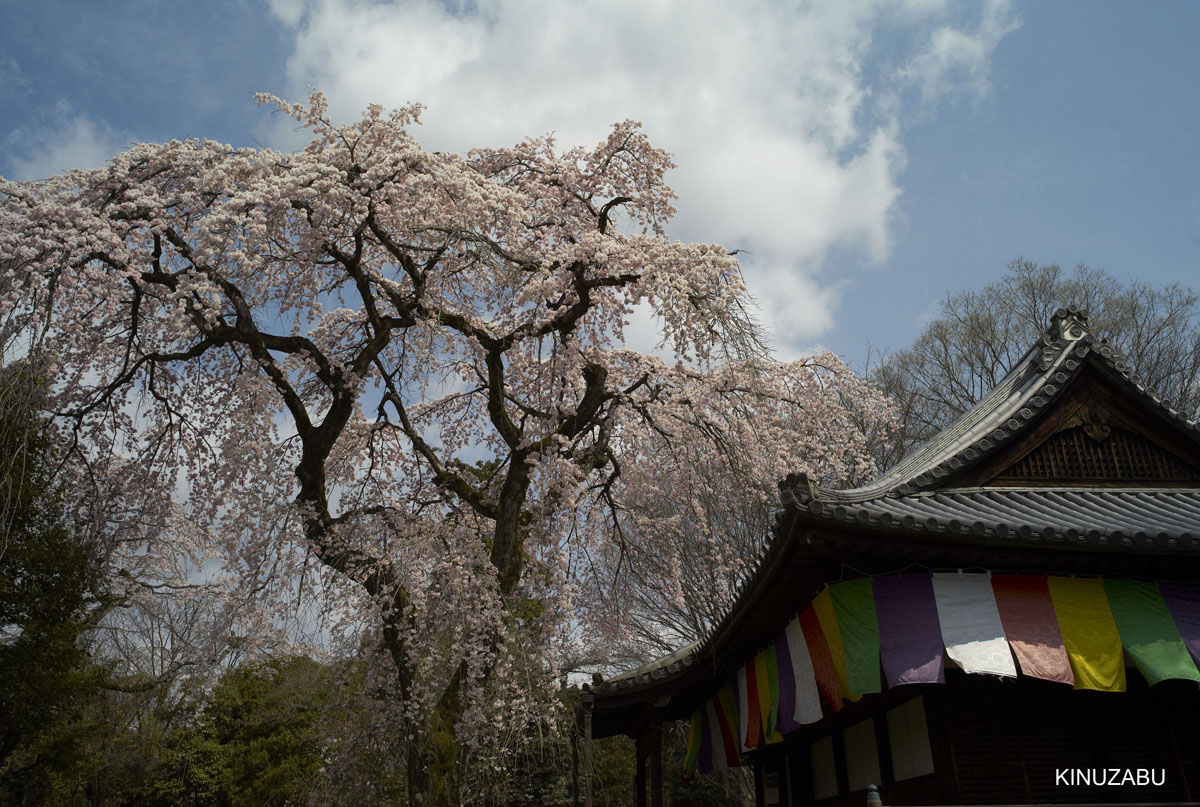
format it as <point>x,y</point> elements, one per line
<point>656,779</point>
<point>639,783</point>
<point>883,752</point>
<point>649,753</point>
<point>647,734</point>
<point>587,700</point>
<point>575,796</point>
<point>800,776</point>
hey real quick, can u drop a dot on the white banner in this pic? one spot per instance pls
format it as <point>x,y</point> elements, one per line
<point>971,628</point>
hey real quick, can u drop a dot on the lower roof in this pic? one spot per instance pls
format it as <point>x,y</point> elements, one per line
<point>1150,533</point>
<point>1166,519</point>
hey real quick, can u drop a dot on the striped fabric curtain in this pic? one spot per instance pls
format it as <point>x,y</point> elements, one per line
<point>857,636</point>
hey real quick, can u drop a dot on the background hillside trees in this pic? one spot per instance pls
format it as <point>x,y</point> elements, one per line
<point>980,334</point>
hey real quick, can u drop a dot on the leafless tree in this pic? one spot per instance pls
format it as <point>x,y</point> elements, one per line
<point>982,333</point>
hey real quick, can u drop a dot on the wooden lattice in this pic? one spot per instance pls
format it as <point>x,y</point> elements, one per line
<point>1072,455</point>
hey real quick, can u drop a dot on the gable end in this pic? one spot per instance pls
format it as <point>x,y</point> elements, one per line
<point>1083,454</point>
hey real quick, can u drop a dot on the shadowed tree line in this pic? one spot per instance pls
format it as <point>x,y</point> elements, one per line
<point>50,593</point>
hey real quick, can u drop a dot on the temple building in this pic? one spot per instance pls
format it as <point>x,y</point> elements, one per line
<point>1009,616</point>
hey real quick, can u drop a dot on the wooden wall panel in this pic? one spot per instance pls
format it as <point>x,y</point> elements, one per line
<point>1009,740</point>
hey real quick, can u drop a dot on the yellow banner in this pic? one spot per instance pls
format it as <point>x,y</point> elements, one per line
<point>1089,633</point>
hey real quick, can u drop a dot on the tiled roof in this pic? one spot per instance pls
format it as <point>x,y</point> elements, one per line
<point>1165,519</point>
<point>1057,357</point>
<point>656,670</point>
<point>907,499</point>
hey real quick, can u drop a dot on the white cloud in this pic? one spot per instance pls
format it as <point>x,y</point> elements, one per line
<point>63,140</point>
<point>13,81</point>
<point>955,61</point>
<point>289,12</point>
<point>787,125</point>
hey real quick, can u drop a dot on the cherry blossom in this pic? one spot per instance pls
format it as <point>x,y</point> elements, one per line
<point>392,383</point>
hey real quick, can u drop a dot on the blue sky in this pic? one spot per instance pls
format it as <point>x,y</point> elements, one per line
<point>871,155</point>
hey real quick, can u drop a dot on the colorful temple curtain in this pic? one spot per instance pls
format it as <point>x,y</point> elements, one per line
<point>971,627</point>
<point>1089,633</point>
<point>824,669</point>
<point>1147,631</point>
<point>747,709</point>
<point>726,753</point>
<point>822,605</point>
<point>1070,630</point>
<point>1183,601</point>
<point>767,666</point>
<point>910,636</point>
<point>854,605</point>
<point>1027,614</point>
<point>799,698</point>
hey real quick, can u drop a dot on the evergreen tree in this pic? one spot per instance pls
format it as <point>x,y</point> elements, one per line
<point>49,587</point>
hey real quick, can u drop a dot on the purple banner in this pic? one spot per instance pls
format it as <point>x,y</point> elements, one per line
<point>785,721</point>
<point>1183,601</point>
<point>910,636</point>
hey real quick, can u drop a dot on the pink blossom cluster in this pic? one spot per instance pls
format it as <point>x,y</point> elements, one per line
<point>392,383</point>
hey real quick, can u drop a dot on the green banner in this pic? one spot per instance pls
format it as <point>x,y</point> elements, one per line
<point>772,665</point>
<point>854,603</point>
<point>1148,632</point>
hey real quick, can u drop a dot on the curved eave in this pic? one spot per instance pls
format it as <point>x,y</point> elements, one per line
<point>1153,521</point>
<point>815,543</point>
<point>677,684</point>
<point>644,677</point>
